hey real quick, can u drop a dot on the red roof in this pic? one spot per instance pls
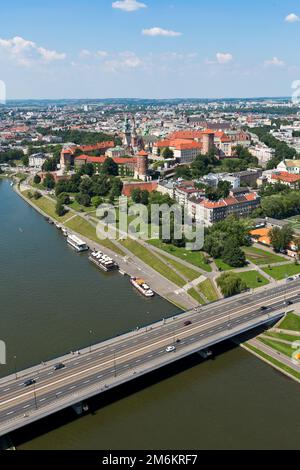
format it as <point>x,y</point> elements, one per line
<point>128,188</point>
<point>117,160</point>
<point>142,153</point>
<point>286,177</point>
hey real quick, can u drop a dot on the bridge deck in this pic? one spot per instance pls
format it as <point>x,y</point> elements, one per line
<point>124,358</point>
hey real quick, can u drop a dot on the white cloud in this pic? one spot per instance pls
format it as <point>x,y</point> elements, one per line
<point>85,53</point>
<point>26,52</point>
<point>123,60</point>
<point>224,57</point>
<point>292,18</point>
<point>128,5</point>
<point>101,54</point>
<point>275,62</point>
<point>160,32</point>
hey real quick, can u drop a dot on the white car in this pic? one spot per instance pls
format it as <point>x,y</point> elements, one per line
<point>170,349</point>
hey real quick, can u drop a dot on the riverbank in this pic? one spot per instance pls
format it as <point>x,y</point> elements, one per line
<point>131,265</point>
<point>277,346</point>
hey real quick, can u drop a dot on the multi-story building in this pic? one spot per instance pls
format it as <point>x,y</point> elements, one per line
<point>37,160</point>
<point>210,212</point>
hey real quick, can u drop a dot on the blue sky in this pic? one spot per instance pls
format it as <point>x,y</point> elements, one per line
<point>149,48</point>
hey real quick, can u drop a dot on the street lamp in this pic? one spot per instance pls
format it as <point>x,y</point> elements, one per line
<point>15,367</point>
<point>91,341</point>
<point>35,398</point>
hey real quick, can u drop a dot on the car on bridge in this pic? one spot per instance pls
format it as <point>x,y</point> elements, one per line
<point>29,382</point>
<point>187,323</point>
<point>59,366</point>
<point>170,349</point>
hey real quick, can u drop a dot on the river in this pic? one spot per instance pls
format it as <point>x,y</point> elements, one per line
<point>54,301</point>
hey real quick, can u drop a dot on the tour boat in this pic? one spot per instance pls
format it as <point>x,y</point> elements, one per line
<point>77,244</point>
<point>142,287</point>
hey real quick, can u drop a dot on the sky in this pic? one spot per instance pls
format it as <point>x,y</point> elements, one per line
<point>149,48</point>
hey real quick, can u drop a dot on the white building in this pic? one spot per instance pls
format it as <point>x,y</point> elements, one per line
<point>262,152</point>
<point>37,160</point>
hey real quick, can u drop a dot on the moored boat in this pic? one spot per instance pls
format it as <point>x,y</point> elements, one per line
<point>103,261</point>
<point>142,287</point>
<point>77,244</point>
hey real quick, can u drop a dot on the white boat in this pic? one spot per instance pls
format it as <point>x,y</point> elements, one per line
<point>77,244</point>
<point>102,261</point>
<point>142,287</point>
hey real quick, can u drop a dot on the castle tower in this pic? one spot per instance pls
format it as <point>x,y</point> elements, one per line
<point>208,140</point>
<point>127,133</point>
<point>66,159</point>
<point>142,165</point>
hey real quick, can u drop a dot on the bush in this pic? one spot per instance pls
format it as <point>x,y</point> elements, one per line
<point>37,179</point>
<point>231,284</point>
<point>64,198</point>
<point>37,195</point>
<point>60,209</point>
<point>83,199</point>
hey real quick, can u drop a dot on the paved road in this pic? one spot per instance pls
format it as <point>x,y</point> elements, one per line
<point>123,358</point>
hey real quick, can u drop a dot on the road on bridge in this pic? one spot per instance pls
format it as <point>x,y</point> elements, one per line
<point>116,361</point>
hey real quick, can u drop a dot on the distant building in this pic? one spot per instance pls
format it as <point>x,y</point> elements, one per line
<point>37,160</point>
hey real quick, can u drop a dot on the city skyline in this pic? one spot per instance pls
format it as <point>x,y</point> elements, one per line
<point>149,49</point>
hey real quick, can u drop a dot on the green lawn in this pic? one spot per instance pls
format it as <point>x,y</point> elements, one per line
<point>47,206</point>
<point>282,272</point>
<point>283,336</point>
<point>189,273</point>
<point>276,363</point>
<point>81,226</point>
<point>79,208</point>
<point>222,266</point>
<point>208,290</point>
<point>253,279</point>
<point>261,257</point>
<point>193,257</point>
<point>149,258</point>
<point>290,322</point>
<point>280,347</point>
<point>193,293</point>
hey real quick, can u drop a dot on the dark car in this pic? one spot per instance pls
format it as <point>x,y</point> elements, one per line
<point>264,308</point>
<point>187,323</point>
<point>288,302</point>
<point>29,382</point>
<point>59,366</point>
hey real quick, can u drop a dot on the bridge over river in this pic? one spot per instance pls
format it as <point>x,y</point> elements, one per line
<point>103,366</point>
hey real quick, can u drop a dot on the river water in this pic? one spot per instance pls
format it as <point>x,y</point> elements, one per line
<point>50,301</point>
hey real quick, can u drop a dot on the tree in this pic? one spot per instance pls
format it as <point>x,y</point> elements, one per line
<point>83,199</point>
<point>183,172</point>
<point>116,188</point>
<point>167,153</point>
<point>50,164</point>
<point>109,167</point>
<point>281,237</point>
<point>60,209</point>
<point>234,256</point>
<point>231,284</point>
<point>49,182</point>
<point>145,197</point>
<point>25,160</point>
<point>136,195</point>
<point>37,179</point>
<point>96,201</point>
<point>64,198</point>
